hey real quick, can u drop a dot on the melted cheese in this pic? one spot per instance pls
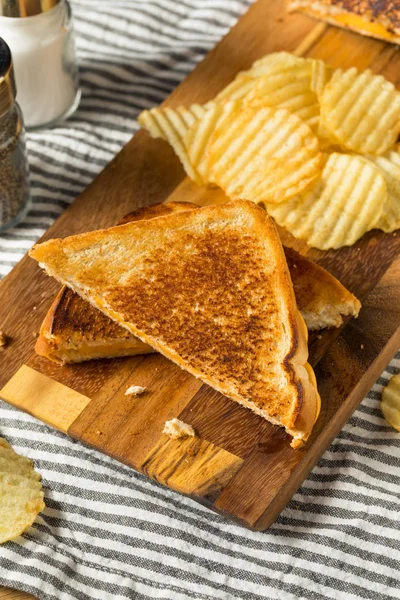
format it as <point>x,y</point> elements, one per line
<point>357,22</point>
<point>354,22</point>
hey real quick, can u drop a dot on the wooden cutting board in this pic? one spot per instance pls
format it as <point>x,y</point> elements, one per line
<point>239,465</point>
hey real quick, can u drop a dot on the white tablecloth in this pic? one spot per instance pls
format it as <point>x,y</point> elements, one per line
<point>108,532</point>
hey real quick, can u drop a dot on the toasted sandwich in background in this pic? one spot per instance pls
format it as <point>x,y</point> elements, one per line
<point>209,289</point>
<point>74,331</point>
<point>376,18</point>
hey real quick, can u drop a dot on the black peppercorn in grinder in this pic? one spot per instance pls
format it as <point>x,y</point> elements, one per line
<point>14,171</point>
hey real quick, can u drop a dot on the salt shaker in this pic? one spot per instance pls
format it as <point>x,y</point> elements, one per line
<point>14,174</point>
<point>40,35</point>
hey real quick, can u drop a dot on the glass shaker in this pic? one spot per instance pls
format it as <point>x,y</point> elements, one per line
<point>14,173</point>
<point>40,35</point>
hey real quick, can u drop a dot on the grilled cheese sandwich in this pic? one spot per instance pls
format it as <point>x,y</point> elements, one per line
<point>210,289</point>
<point>376,18</point>
<point>74,331</point>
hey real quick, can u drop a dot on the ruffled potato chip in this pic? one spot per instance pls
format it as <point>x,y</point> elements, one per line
<point>21,495</point>
<point>262,154</point>
<point>254,153</point>
<point>243,83</point>
<point>172,125</point>
<point>199,135</point>
<point>389,166</point>
<point>282,80</point>
<point>343,204</point>
<point>361,111</point>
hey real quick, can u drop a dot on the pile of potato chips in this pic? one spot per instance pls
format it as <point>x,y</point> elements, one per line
<point>316,146</point>
<point>21,495</point>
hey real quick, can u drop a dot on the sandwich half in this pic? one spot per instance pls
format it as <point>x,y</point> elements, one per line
<point>376,18</point>
<point>74,331</point>
<point>210,289</point>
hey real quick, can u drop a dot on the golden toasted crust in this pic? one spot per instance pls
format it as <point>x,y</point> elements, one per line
<point>210,289</point>
<point>377,18</point>
<point>74,330</point>
<point>157,210</point>
<point>322,300</point>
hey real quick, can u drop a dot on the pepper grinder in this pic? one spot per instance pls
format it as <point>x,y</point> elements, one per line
<point>40,35</point>
<point>14,173</point>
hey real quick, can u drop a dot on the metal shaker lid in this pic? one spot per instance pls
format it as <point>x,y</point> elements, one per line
<point>25,8</point>
<point>8,89</point>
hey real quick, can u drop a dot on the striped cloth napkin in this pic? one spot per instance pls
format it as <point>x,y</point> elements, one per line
<point>109,533</point>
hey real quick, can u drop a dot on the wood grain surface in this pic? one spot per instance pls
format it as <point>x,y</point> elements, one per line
<point>238,464</point>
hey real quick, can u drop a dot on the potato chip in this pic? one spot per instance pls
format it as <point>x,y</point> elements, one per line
<point>282,80</point>
<point>278,61</point>
<point>20,481</point>
<point>243,83</point>
<point>290,90</point>
<point>200,133</point>
<point>8,456</point>
<point>389,165</point>
<point>21,495</point>
<point>7,465</point>
<point>258,154</point>
<point>19,508</point>
<point>172,125</point>
<point>361,110</point>
<point>390,403</point>
<point>343,204</point>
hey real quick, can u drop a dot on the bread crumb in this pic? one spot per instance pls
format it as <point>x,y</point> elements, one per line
<point>319,337</point>
<point>362,346</point>
<point>135,390</point>
<point>98,432</point>
<point>35,334</point>
<point>3,340</point>
<point>177,429</point>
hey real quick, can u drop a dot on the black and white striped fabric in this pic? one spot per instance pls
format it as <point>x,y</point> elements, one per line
<point>108,532</point>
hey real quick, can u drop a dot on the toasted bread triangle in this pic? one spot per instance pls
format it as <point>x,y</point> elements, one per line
<point>210,289</point>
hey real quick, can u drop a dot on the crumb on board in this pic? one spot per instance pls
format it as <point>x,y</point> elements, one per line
<point>35,334</point>
<point>177,429</point>
<point>3,340</point>
<point>135,390</point>
<point>319,337</point>
<point>362,346</point>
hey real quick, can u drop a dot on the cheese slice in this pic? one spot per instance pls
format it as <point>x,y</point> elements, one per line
<point>351,21</point>
<point>360,24</point>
